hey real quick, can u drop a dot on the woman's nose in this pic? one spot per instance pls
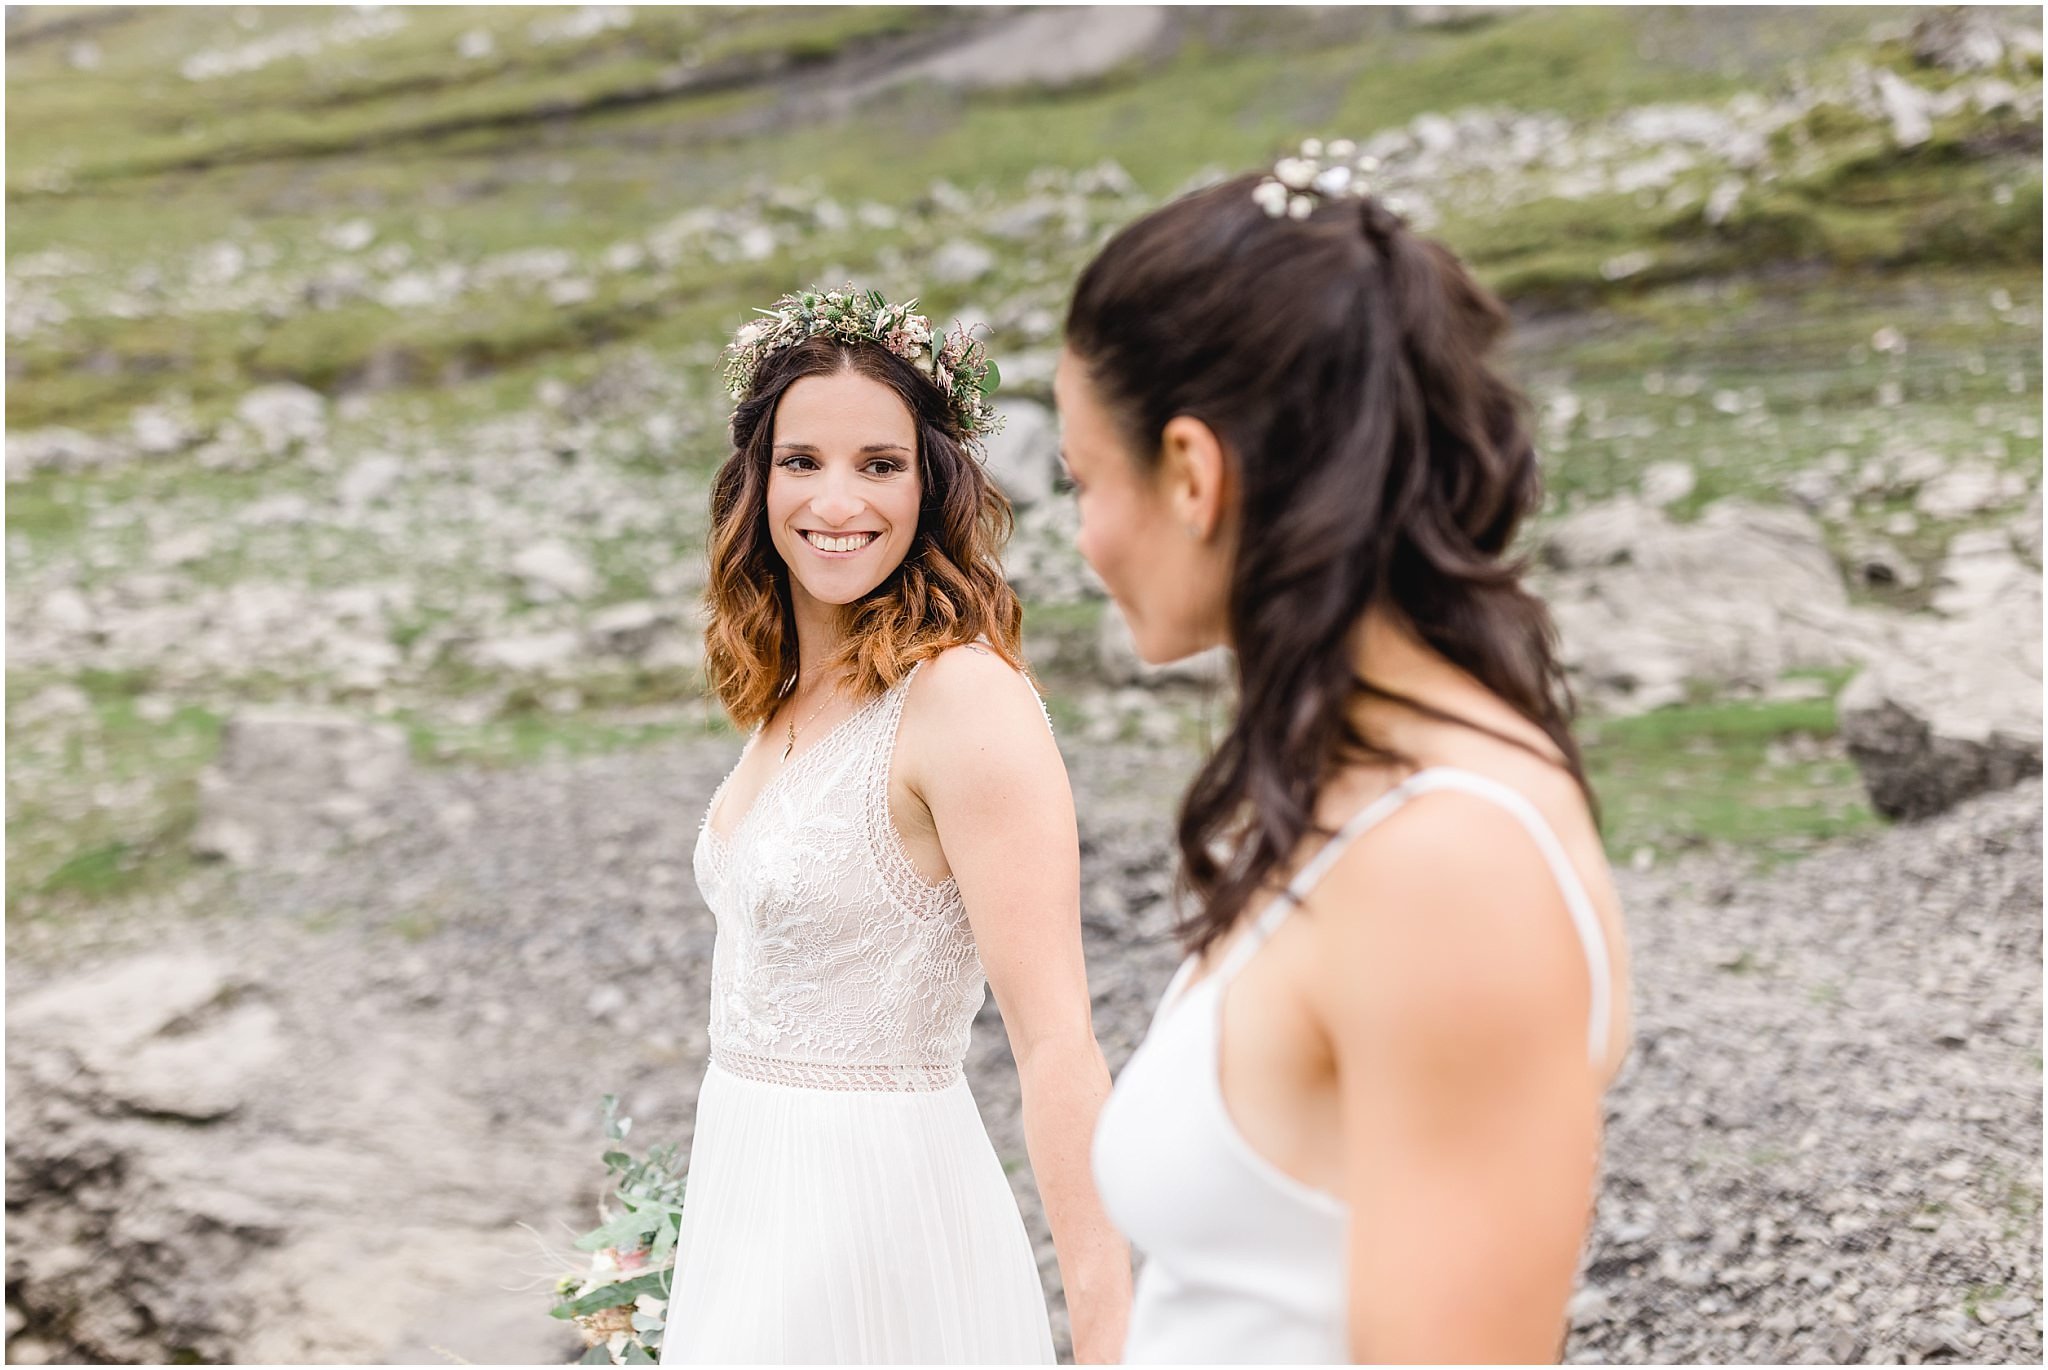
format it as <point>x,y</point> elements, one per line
<point>835,504</point>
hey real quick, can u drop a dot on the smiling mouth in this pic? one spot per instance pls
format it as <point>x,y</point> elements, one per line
<point>841,542</point>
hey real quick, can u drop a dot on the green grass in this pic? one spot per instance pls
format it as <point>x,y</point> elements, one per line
<point>527,737</point>
<point>1697,775</point>
<point>66,847</point>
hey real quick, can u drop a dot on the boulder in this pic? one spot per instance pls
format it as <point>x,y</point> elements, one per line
<point>1048,48</point>
<point>1980,570</point>
<point>283,416</point>
<point>1952,709</point>
<point>960,262</point>
<point>370,479</point>
<point>630,630</point>
<point>552,570</point>
<point>55,449</point>
<point>1024,456</point>
<point>529,653</point>
<point>1647,608</point>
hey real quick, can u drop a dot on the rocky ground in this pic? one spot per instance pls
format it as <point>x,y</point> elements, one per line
<point>310,1122</point>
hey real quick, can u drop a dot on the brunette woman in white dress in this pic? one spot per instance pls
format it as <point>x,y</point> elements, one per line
<point>898,827</point>
<point>1366,1122</point>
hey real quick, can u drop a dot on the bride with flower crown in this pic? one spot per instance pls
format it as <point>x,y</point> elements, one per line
<point>897,834</point>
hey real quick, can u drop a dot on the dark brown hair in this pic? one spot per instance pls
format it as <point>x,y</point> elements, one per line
<point>1382,462</point>
<point>949,588</point>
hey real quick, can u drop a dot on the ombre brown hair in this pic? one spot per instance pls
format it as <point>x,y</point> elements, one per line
<point>1382,462</point>
<point>949,588</point>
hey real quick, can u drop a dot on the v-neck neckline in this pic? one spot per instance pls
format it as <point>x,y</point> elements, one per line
<point>727,839</point>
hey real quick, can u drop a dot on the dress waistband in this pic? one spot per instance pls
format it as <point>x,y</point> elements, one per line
<point>898,1078</point>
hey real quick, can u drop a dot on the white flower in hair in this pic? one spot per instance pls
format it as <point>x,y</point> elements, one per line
<point>1334,181</point>
<point>1287,191</point>
<point>1295,172</point>
<point>1271,197</point>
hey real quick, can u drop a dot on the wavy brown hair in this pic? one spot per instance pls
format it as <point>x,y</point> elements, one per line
<point>948,589</point>
<point>1342,361</point>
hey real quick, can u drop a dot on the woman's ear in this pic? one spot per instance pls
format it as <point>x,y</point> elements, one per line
<point>1194,474</point>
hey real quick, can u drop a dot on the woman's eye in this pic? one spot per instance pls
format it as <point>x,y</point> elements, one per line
<point>884,468</point>
<point>1063,484</point>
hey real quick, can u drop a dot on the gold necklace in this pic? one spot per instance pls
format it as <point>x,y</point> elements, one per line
<point>790,745</point>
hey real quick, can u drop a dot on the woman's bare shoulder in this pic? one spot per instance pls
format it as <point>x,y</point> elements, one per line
<point>968,690</point>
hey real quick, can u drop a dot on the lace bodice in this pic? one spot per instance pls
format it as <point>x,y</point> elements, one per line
<point>837,965</point>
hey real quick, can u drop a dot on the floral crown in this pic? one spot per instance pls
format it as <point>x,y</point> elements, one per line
<point>1333,171</point>
<point>958,363</point>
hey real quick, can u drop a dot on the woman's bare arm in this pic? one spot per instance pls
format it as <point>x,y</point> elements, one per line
<point>992,777</point>
<point>1456,996</point>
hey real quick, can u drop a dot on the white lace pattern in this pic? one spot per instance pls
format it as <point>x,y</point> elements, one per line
<point>837,965</point>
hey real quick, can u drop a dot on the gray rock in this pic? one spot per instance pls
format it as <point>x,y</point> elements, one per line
<point>1980,569</point>
<point>1909,108</point>
<point>107,1012</point>
<point>68,611</point>
<point>1667,482</point>
<point>551,570</point>
<point>1953,709</point>
<point>1813,488</point>
<point>1647,608</point>
<point>200,1076</point>
<point>631,629</point>
<point>960,262</point>
<point>1048,48</point>
<point>283,416</point>
<point>1024,456</point>
<point>1958,40</point>
<point>370,479</point>
<point>1024,221</point>
<point>1960,491</point>
<point>159,430</point>
<point>55,449</point>
<point>530,653</point>
<point>1877,563</point>
<point>2026,532</point>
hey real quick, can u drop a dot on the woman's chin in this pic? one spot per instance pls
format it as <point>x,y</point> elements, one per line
<point>1156,650</point>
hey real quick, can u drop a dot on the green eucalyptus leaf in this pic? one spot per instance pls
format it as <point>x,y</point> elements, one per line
<point>614,1294</point>
<point>993,380</point>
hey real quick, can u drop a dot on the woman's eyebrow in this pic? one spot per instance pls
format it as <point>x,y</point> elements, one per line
<point>870,447</point>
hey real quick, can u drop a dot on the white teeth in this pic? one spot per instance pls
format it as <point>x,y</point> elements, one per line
<point>851,543</point>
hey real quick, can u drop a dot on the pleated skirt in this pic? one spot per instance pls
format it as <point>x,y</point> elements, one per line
<point>830,1226</point>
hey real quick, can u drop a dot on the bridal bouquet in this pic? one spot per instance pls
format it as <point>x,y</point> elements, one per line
<point>621,1301</point>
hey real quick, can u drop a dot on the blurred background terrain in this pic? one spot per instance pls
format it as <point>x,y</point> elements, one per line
<point>362,399</point>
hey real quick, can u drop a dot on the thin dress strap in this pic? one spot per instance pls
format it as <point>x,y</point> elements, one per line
<point>1276,911</point>
<point>1592,938</point>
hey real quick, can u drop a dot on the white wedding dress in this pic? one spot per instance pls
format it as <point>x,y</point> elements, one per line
<point>844,1202</point>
